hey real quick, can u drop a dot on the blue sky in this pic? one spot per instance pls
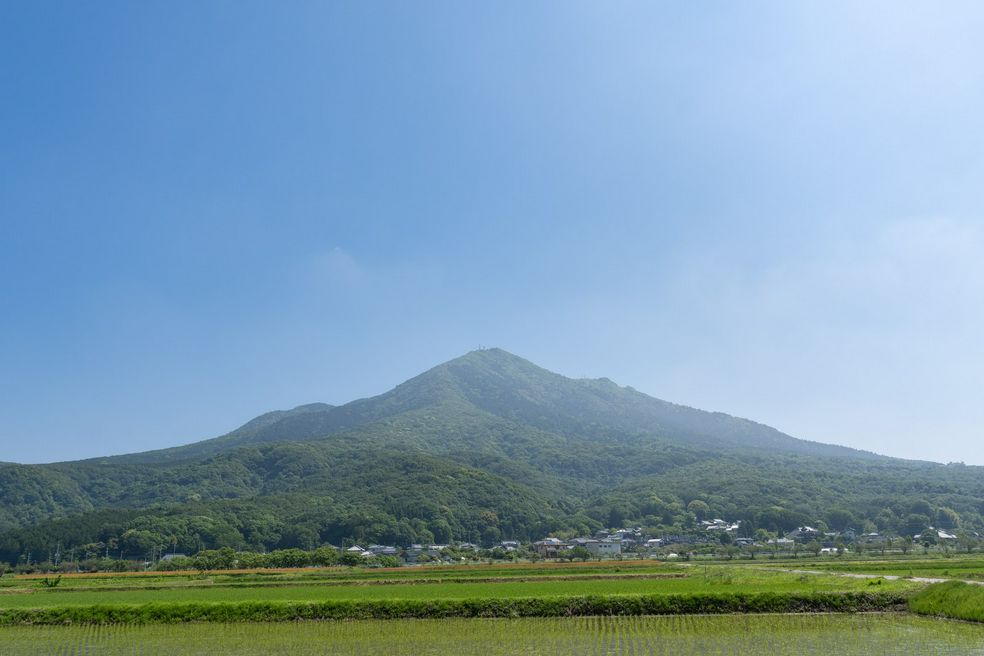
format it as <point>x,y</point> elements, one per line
<point>210,210</point>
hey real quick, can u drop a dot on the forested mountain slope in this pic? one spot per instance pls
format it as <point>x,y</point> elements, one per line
<point>484,446</point>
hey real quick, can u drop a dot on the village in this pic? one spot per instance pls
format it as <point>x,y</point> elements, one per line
<point>712,538</point>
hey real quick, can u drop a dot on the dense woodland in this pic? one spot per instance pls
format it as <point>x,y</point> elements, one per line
<point>480,449</point>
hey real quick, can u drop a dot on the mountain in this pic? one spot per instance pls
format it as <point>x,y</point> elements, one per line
<point>485,446</point>
<point>494,383</point>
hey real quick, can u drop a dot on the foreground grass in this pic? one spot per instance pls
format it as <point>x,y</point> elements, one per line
<point>792,635</point>
<point>951,599</point>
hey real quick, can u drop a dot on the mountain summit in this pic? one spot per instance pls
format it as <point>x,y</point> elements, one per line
<point>495,383</point>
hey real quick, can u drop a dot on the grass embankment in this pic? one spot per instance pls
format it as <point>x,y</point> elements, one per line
<point>954,599</point>
<point>622,605</point>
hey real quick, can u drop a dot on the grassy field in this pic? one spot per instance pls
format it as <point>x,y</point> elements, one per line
<point>679,581</point>
<point>352,576</point>
<point>591,609</point>
<point>793,635</point>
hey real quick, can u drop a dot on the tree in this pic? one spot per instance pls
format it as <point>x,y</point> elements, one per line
<point>353,559</point>
<point>947,518</point>
<point>441,530</point>
<point>289,558</point>
<point>580,553</point>
<point>915,524</point>
<point>966,541</point>
<point>921,507</point>
<point>699,508</point>
<point>325,557</point>
<point>815,547</point>
<point>840,519</point>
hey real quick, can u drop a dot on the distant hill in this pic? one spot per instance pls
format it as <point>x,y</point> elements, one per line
<point>485,446</point>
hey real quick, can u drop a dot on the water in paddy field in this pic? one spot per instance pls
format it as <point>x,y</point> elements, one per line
<point>790,635</point>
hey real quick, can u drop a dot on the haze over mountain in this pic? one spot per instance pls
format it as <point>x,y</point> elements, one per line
<point>482,447</point>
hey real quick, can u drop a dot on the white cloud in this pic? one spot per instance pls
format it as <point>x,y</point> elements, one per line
<point>336,268</point>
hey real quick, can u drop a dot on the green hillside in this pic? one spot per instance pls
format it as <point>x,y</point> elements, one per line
<point>484,447</point>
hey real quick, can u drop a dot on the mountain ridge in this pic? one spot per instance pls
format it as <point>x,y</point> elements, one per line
<point>456,380</point>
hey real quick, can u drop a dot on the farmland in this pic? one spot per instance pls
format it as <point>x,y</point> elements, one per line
<point>585,608</point>
<point>425,585</point>
<point>796,635</point>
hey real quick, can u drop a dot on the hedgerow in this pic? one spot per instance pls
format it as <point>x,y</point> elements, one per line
<point>260,611</point>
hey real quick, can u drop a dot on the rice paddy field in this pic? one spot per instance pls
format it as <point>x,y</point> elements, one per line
<point>28,593</point>
<point>592,609</point>
<point>792,635</point>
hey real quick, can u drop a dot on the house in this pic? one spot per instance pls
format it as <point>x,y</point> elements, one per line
<point>467,546</point>
<point>509,545</point>
<point>172,556</point>
<point>550,547</point>
<point>382,550</point>
<point>628,536</point>
<point>603,548</point>
<point>681,539</point>
<point>804,534</point>
<point>714,525</point>
<point>654,543</point>
<point>744,542</point>
<point>413,554</point>
<point>940,534</point>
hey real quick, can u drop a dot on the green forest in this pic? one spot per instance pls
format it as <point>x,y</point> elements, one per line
<point>484,448</point>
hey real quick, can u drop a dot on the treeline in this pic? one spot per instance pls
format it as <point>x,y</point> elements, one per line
<point>264,525</point>
<point>782,493</point>
<point>226,558</point>
<point>401,517</point>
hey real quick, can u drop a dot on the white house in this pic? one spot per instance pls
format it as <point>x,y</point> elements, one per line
<point>602,548</point>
